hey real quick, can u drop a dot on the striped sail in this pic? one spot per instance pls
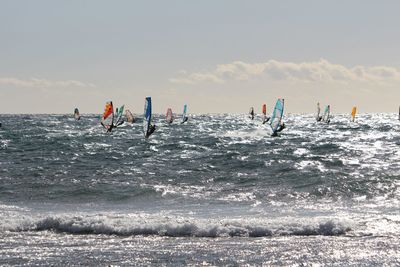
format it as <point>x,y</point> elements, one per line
<point>108,115</point>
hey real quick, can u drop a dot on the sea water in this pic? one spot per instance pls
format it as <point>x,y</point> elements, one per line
<point>217,190</point>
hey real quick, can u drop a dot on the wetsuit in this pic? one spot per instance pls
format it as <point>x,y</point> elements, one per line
<point>280,129</point>
<point>151,130</point>
<point>185,120</point>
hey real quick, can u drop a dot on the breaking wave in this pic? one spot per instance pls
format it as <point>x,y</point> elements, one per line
<point>127,226</point>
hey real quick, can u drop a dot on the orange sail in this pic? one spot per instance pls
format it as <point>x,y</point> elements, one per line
<point>264,109</point>
<point>108,110</point>
<point>353,113</point>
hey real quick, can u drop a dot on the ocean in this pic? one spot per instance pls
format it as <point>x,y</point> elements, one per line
<point>217,190</point>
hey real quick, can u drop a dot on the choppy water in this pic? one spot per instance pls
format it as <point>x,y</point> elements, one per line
<point>218,190</point>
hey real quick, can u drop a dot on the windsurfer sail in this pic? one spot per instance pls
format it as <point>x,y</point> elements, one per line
<point>318,117</point>
<point>353,113</point>
<point>107,120</point>
<point>148,129</point>
<point>119,112</point>
<point>129,116</point>
<point>264,111</point>
<point>169,117</point>
<point>184,116</point>
<point>77,116</point>
<point>327,113</point>
<point>251,112</point>
<point>276,119</point>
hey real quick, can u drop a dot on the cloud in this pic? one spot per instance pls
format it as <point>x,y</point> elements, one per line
<point>42,83</point>
<point>321,70</point>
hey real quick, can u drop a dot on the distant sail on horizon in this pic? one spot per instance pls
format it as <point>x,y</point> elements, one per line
<point>77,116</point>
<point>318,117</point>
<point>251,112</point>
<point>129,116</point>
<point>169,117</point>
<point>327,113</point>
<point>353,113</point>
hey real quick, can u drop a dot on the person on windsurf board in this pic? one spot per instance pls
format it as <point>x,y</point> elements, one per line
<point>318,117</point>
<point>276,123</point>
<point>148,128</point>
<point>327,114</point>
<point>109,121</point>
<point>353,113</point>
<point>77,116</point>
<point>184,116</point>
<point>264,111</point>
<point>251,112</point>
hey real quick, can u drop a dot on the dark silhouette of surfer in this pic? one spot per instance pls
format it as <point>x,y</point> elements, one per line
<point>150,131</point>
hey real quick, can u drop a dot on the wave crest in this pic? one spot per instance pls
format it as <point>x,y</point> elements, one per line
<point>133,226</point>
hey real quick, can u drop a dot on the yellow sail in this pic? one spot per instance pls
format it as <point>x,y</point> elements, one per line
<point>353,113</point>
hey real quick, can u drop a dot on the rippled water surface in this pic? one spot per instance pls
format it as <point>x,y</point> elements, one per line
<point>217,190</point>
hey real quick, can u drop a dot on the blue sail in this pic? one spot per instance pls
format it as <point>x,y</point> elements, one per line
<point>147,116</point>
<point>277,115</point>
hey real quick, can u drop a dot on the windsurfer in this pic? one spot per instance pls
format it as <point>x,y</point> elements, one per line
<point>280,129</point>
<point>151,130</point>
<point>252,113</point>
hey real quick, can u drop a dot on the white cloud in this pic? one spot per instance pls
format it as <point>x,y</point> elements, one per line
<point>321,70</point>
<point>42,83</point>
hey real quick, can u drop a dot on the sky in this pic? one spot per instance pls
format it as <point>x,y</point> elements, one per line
<point>217,56</point>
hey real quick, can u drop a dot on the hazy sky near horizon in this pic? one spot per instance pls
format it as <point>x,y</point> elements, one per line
<point>217,56</point>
